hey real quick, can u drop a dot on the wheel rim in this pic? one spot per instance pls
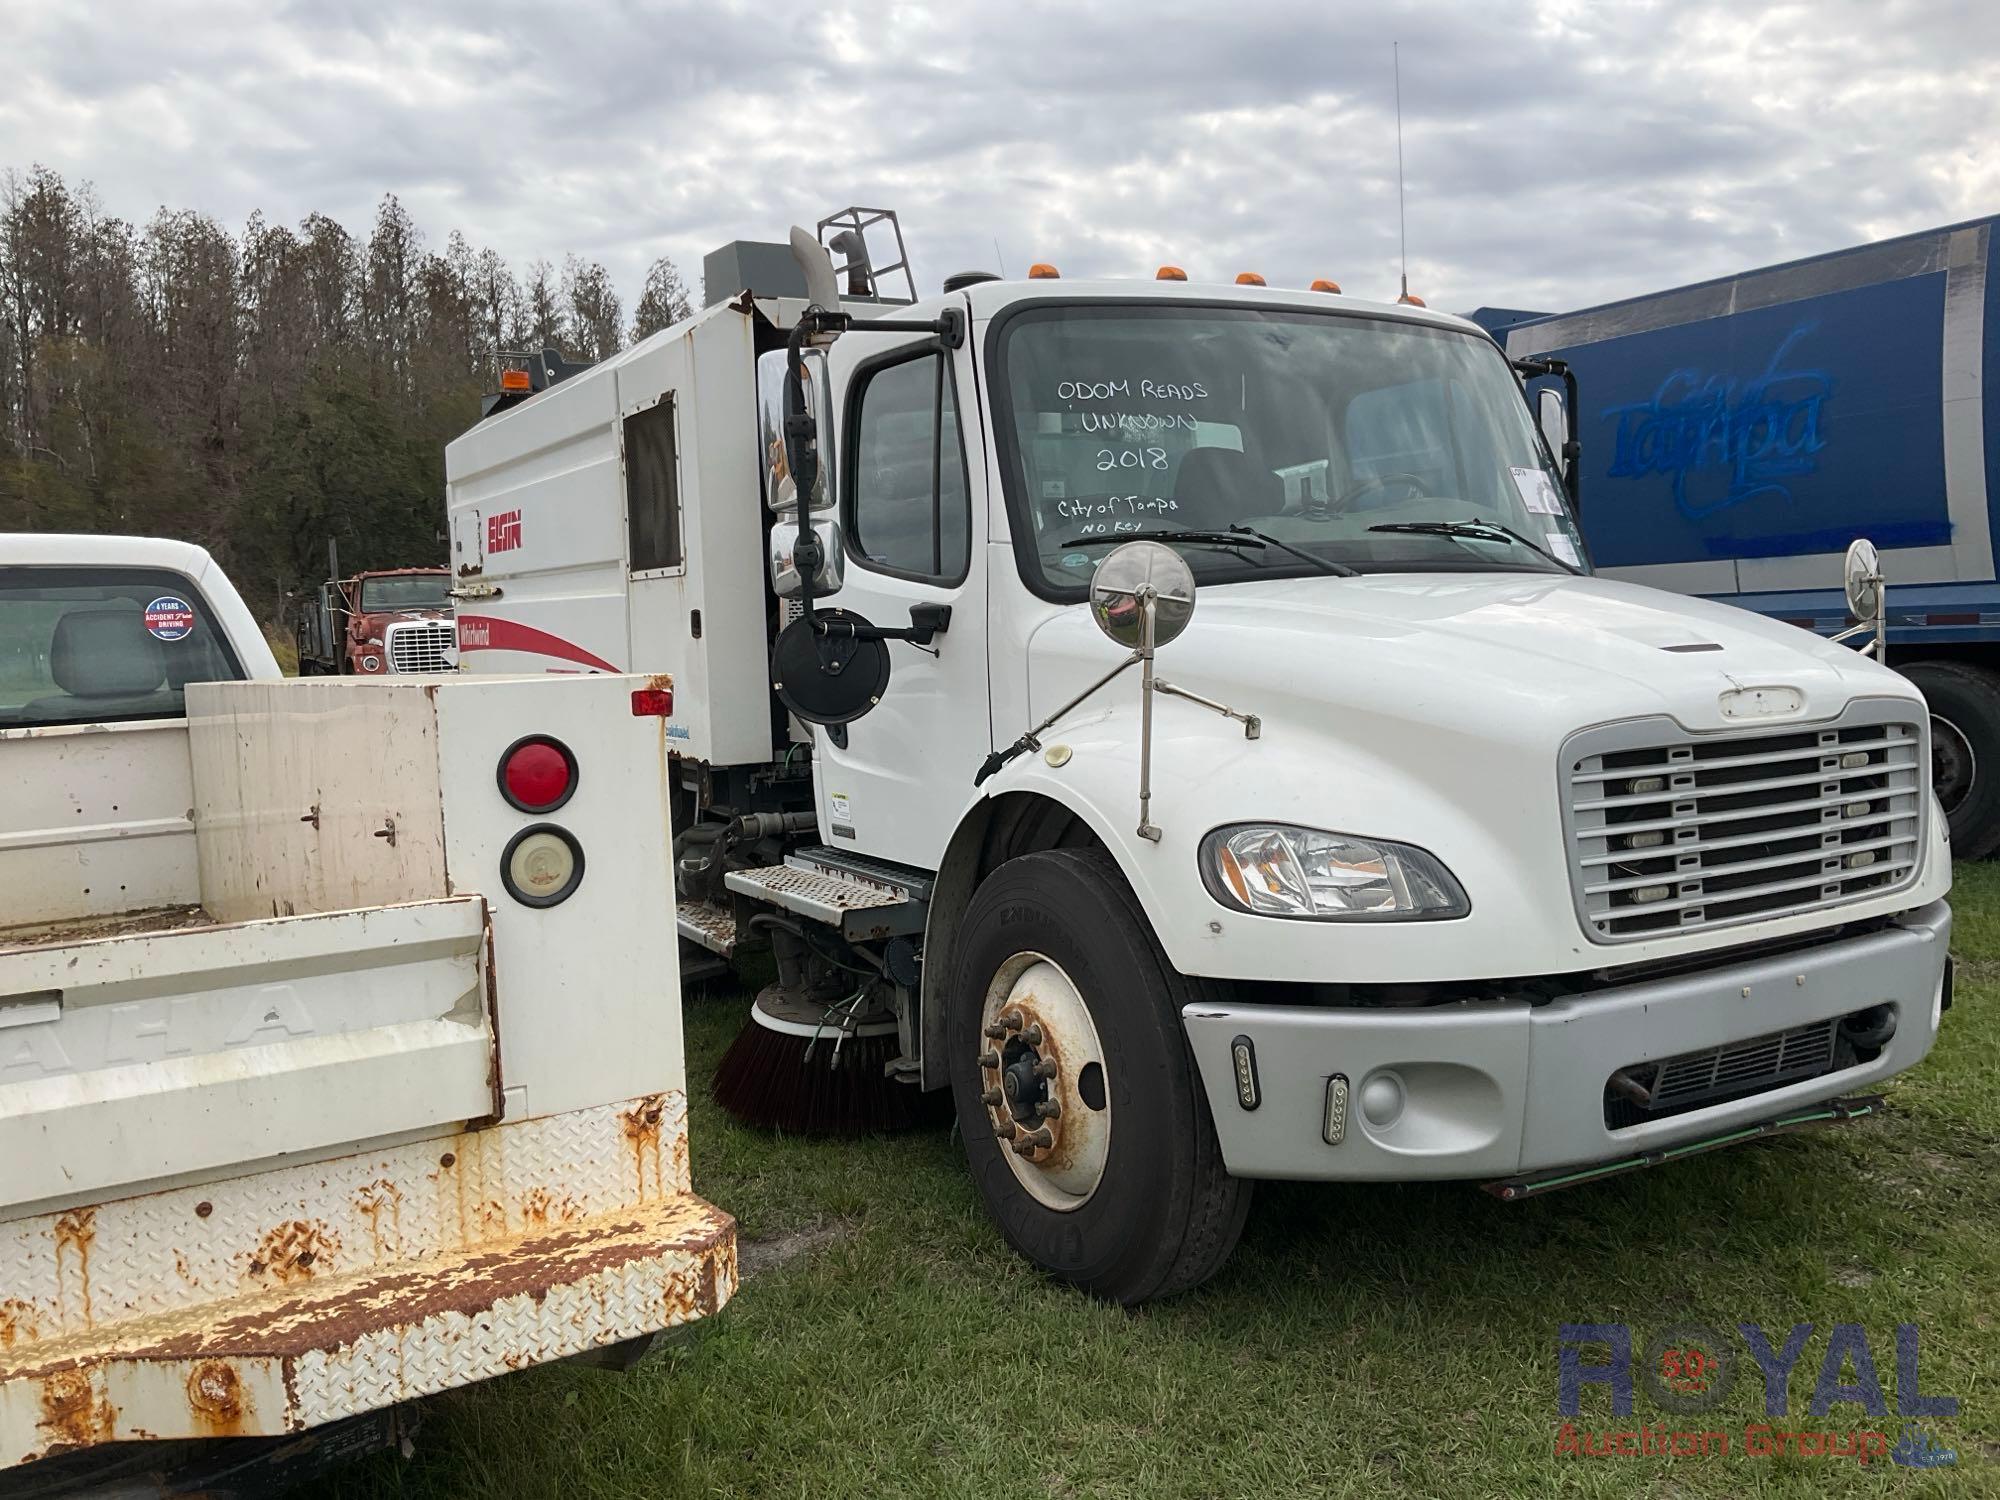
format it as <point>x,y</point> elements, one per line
<point>1043,1081</point>
<point>1954,766</point>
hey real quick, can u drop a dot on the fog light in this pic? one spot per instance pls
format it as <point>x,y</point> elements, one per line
<point>542,865</point>
<point>1382,1100</point>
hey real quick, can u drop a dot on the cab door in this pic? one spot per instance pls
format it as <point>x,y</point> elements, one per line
<point>892,783</point>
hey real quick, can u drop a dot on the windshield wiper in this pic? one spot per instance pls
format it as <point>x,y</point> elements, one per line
<point>1324,564</point>
<point>1192,538</point>
<point>1474,530</point>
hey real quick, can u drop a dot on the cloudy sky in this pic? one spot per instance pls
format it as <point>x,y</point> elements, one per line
<point>1558,153</point>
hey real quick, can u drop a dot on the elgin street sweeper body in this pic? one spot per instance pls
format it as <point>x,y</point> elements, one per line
<point>1413,851</point>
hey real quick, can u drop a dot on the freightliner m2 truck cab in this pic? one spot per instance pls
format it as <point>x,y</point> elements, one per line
<point>1405,848</point>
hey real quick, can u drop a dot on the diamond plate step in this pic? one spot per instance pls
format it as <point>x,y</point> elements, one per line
<point>707,925</point>
<point>861,910</point>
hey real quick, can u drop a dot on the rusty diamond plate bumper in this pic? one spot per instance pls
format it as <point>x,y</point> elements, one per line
<point>275,1303</point>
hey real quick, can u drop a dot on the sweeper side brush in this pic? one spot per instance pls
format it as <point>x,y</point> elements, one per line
<point>817,1069</point>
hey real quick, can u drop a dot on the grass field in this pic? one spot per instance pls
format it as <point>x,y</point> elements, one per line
<point>1364,1340</point>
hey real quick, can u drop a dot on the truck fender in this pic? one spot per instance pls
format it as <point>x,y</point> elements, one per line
<point>964,866</point>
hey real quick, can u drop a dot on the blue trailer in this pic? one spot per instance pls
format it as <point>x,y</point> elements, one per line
<point>1737,434</point>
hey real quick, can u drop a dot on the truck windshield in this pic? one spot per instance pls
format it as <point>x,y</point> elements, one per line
<point>419,591</point>
<point>94,645</point>
<point>1315,429</point>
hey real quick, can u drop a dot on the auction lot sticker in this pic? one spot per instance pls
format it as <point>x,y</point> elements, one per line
<point>169,618</point>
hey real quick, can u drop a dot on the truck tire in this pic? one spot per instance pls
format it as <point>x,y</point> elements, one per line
<point>1122,1191</point>
<point>1965,750</point>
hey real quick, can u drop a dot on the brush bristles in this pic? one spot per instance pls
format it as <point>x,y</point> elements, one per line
<point>796,1084</point>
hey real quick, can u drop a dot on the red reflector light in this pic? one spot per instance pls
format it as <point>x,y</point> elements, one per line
<point>537,774</point>
<point>652,703</point>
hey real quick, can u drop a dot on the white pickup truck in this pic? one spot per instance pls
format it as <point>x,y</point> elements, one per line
<point>1424,853</point>
<point>338,1061</point>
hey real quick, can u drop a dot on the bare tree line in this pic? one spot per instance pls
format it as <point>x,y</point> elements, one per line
<point>261,392</point>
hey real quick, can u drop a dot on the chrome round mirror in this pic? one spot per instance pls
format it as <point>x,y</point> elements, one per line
<point>1863,577</point>
<point>1127,576</point>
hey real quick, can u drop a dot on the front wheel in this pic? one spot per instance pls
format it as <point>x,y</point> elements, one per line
<point>1965,750</point>
<point>1084,1119</point>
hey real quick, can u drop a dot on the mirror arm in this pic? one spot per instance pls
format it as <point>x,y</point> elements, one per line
<point>927,621</point>
<point>1032,739</point>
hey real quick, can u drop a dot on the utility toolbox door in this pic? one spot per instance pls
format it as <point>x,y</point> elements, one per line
<point>149,1055</point>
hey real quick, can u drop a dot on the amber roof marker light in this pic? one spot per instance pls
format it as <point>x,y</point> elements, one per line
<point>1321,284</point>
<point>1041,270</point>
<point>1249,278</point>
<point>1170,273</point>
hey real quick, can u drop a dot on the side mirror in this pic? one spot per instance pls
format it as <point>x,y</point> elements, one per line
<point>1867,599</point>
<point>785,577</point>
<point>1142,595</point>
<point>780,492</point>
<point>1554,422</point>
<point>1861,575</point>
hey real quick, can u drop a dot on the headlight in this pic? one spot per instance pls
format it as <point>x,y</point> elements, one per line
<point>1276,870</point>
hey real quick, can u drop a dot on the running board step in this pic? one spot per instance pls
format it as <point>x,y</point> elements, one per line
<point>864,910</point>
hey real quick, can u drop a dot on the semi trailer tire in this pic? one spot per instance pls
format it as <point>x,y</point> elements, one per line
<point>1965,750</point>
<point>1085,1124</point>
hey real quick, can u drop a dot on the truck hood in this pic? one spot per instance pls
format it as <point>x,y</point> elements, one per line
<point>1495,655</point>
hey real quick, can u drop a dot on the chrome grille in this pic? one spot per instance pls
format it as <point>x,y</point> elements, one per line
<point>1670,831</point>
<point>422,646</point>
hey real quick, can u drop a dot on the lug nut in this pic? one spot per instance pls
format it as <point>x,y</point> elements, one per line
<point>1046,1068</point>
<point>1033,1035</point>
<point>996,1031</point>
<point>1012,1020</point>
<point>989,1059</point>
<point>1039,1137</point>
<point>1006,1131</point>
<point>1024,1147</point>
<point>1048,1109</point>
<point>991,1098</point>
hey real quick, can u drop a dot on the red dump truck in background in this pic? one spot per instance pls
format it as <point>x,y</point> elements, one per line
<point>389,620</point>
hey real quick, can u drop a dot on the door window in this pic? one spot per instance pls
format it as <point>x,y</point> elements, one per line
<point>908,510</point>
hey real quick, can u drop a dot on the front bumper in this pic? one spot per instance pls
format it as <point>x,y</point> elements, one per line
<point>1497,1088</point>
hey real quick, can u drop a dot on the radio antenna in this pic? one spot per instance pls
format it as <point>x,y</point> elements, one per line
<point>1402,227</point>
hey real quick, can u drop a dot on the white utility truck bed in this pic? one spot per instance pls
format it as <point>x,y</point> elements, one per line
<point>374,1088</point>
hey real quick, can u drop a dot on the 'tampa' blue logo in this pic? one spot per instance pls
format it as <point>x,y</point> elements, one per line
<point>1758,434</point>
